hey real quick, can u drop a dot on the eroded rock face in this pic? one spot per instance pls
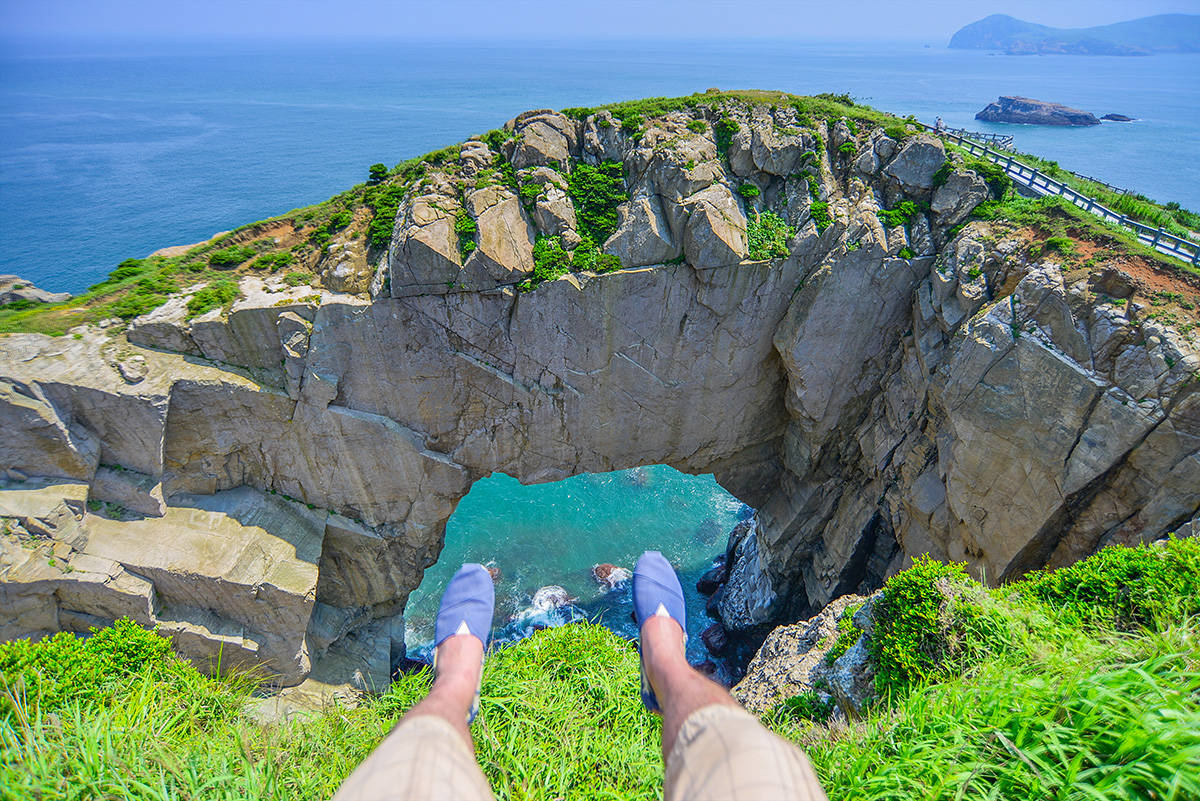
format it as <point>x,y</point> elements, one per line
<point>972,402</point>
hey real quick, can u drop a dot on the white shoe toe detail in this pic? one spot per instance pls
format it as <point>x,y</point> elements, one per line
<point>463,628</point>
<point>661,611</point>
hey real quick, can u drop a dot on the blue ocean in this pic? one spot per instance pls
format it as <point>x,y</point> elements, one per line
<point>116,150</point>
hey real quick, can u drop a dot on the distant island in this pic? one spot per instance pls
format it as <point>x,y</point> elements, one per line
<point>1162,33</point>
<point>1027,111</point>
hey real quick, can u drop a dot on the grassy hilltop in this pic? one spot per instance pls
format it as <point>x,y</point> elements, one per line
<point>1080,683</point>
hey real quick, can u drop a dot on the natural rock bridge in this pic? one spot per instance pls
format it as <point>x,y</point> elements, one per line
<point>269,484</point>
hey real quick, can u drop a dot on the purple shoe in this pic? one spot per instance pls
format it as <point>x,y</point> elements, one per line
<point>656,591</point>
<point>467,607</point>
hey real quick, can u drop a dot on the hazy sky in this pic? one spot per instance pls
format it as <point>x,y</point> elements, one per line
<point>930,20</point>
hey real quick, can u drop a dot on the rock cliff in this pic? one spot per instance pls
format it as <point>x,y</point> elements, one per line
<point>269,480</point>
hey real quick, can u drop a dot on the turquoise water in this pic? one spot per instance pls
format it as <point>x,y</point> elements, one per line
<point>115,150</point>
<point>553,534</point>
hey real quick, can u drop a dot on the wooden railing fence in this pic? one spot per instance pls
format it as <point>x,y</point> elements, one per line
<point>1043,184</point>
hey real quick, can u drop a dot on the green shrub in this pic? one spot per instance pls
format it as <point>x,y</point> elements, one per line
<point>723,132</point>
<point>496,138</point>
<point>550,260</point>
<point>853,126</point>
<point>340,219</point>
<point>901,214</point>
<point>846,148</point>
<point>749,191</point>
<point>231,256</point>
<point>814,187</point>
<point>767,235</point>
<point>806,706</point>
<point>531,192</point>
<point>127,269</point>
<point>146,295</point>
<point>1123,587</point>
<point>384,202</point>
<point>606,263</point>
<point>820,214</point>
<point>697,126</point>
<point>898,131</point>
<point>465,228</point>
<point>847,635</point>
<point>218,293</point>
<point>376,173</point>
<point>64,668</point>
<point>1061,244</point>
<point>273,261</point>
<point>596,191</point>
<point>906,252</point>
<point>297,278</point>
<point>908,643</point>
<point>632,124</point>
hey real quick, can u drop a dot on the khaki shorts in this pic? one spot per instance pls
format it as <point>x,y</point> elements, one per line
<point>722,753</point>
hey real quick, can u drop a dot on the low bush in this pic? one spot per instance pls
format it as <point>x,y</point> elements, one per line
<point>1125,588</point>
<point>847,634</point>
<point>819,211</point>
<point>697,126</point>
<point>384,202</point>
<point>767,235</point>
<point>749,191</point>
<point>596,191</point>
<point>231,256</point>
<point>273,261</point>
<point>550,260</point>
<point>901,214</point>
<point>218,293</point>
<point>806,706</point>
<point>909,640</point>
<point>376,173</point>
<point>465,229</point>
<point>723,131</point>
<point>297,278</point>
<point>145,295</point>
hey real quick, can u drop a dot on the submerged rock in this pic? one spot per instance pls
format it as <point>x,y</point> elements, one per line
<point>712,578</point>
<point>550,598</point>
<point>610,576</point>
<point>715,639</point>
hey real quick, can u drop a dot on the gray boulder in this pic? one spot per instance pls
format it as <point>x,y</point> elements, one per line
<point>643,235</point>
<point>913,168</point>
<point>14,288</point>
<point>958,197</point>
<point>715,234</point>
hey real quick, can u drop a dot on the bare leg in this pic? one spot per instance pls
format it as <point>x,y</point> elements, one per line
<point>680,688</point>
<point>459,660</point>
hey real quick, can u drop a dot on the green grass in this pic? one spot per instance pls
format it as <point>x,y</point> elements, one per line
<point>1055,217</point>
<point>1072,702</point>
<point>1169,217</point>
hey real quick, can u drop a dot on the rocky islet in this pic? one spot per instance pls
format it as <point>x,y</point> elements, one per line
<point>268,482</point>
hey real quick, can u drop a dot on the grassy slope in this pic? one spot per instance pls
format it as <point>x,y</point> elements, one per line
<point>1082,684</point>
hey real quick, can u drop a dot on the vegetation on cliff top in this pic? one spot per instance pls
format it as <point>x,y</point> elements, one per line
<point>1079,683</point>
<point>366,213</point>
